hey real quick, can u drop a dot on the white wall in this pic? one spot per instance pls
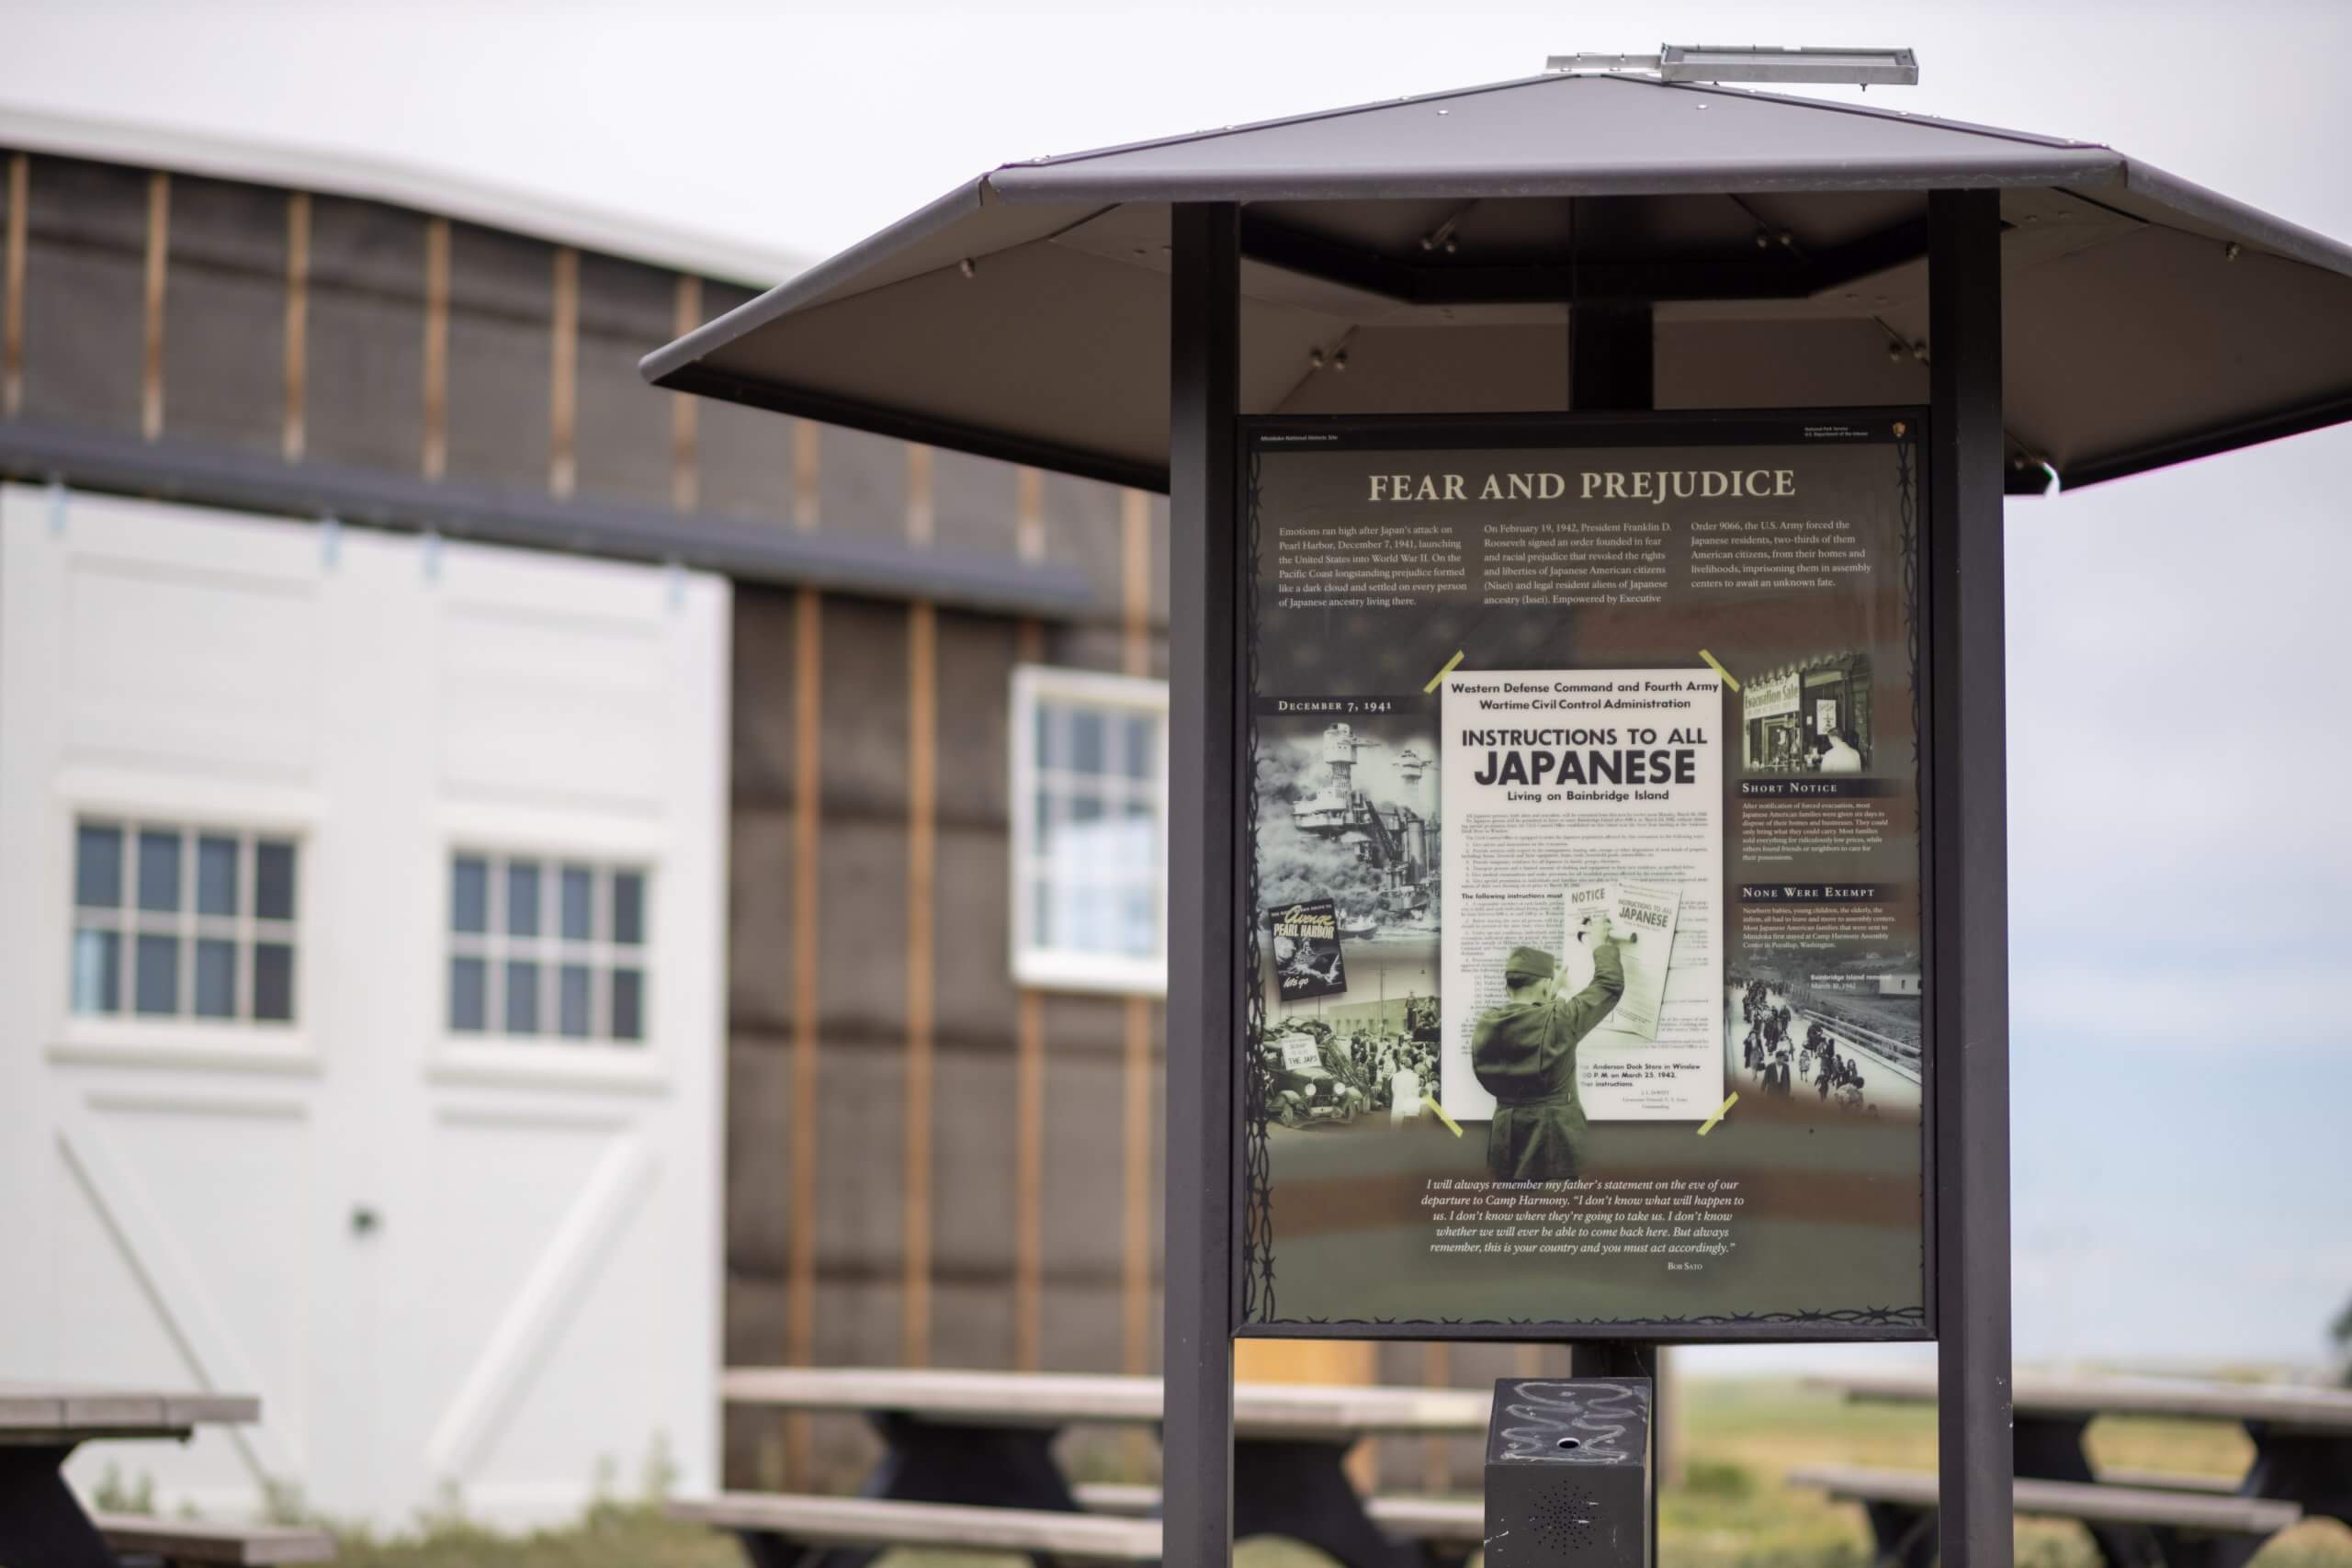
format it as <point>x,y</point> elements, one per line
<point>540,1294</point>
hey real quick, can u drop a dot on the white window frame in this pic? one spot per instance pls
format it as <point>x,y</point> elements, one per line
<point>549,949</point>
<point>1035,964</point>
<point>493,1058</point>
<point>197,805</point>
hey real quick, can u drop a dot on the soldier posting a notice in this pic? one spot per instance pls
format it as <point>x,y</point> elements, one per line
<point>1524,1054</point>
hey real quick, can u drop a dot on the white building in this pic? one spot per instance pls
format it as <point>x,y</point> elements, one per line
<point>360,976</point>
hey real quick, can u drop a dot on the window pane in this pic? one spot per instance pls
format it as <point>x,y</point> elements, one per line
<point>1087,736</point>
<point>216,876</point>
<point>628,1004</point>
<point>1089,918</point>
<point>468,993</point>
<point>1138,844</point>
<point>573,988</point>
<point>629,907</point>
<point>157,974</point>
<point>273,881</point>
<point>216,978</point>
<point>274,970</point>
<point>579,903</point>
<point>159,871</point>
<point>1142,743</point>
<point>97,867</point>
<point>1139,932</point>
<point>98,971</point>
<point>1048,753</point>
<point>523,898</point>
<point>469,894</point>
<point>522,996</point>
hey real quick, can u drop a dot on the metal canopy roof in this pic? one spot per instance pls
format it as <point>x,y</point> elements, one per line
<point>1422,255</point>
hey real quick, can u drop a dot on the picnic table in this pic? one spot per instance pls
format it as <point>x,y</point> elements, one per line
<point>985,1439</point>
<point>41,1424</point>
<point>2303,1459</point>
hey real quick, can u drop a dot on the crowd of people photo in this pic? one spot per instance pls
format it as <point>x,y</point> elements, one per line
<point>1778,1059</point>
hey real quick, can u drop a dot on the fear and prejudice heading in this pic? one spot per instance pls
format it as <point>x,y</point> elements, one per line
<point>1654,486</point>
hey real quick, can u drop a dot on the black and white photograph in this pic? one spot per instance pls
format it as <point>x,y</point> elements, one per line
<point>1348,812</point>
<point>1328,1062</point>
<point>1840,1035</point>
<point>1812,716</point>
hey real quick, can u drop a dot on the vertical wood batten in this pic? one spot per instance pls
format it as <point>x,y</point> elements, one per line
<point>1437,1464</point>
<point>563,376</point>
<point>434,458</point>
<point>1029,1041</point>
<point>293,437</point>
<point>805,456</point>
<point>1029,1183</point>
<point>1134,1273</point>
<point>686,464</point>
<point>922,797</point>
<point>1029,514</point>
<point>12,289</point>
<point>800,1282</point>
<point>159,249</point>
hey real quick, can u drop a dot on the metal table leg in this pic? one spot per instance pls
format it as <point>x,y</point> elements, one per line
<point>40,1519</point>
<point>1300,1490</point>
<point>2310,1467</point>
<point>2050,1448</point>
<point>930,1462</point>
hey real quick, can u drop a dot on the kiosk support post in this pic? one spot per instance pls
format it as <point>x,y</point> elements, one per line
<point>1204,855</point>
<point>1612,365</point>
<point>1969,932</point>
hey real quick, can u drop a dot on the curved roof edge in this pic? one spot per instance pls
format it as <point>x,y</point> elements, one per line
<point>365,177</point>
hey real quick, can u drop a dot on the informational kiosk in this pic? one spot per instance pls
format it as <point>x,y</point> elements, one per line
<point>1587,858</point>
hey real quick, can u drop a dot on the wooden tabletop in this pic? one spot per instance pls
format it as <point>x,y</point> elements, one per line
<point>2297,1407</point>
<point>73,1412</point>
<point>1054,1399</point>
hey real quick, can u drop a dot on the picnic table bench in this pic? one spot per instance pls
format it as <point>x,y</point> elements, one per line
<point>2302,1465</point>
<point>41,1522</point>
<point>981,1443</point>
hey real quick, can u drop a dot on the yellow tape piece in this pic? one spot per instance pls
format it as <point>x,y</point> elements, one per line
<point>1709,1126</point>
<point>1431,1100</point>
<point>1729,679</point>
<point>1441,675</point>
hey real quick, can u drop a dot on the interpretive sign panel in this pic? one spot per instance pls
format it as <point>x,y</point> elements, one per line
<point>1594,744</point>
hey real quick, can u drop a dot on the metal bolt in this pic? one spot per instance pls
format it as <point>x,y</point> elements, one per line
<point>1315,359</point>
<point>2232,251</point>
<point>1340,360</point>
<point>965,266</point>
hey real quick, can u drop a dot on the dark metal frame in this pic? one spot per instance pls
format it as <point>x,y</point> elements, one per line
<point>1965,934</point>
<point>1611,382</point>
<point>1627,1347</point>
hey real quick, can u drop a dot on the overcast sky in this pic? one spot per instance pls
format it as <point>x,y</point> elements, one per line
<point>2180,857</point>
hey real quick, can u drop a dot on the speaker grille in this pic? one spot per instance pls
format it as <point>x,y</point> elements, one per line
<point>1567,1519</point>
